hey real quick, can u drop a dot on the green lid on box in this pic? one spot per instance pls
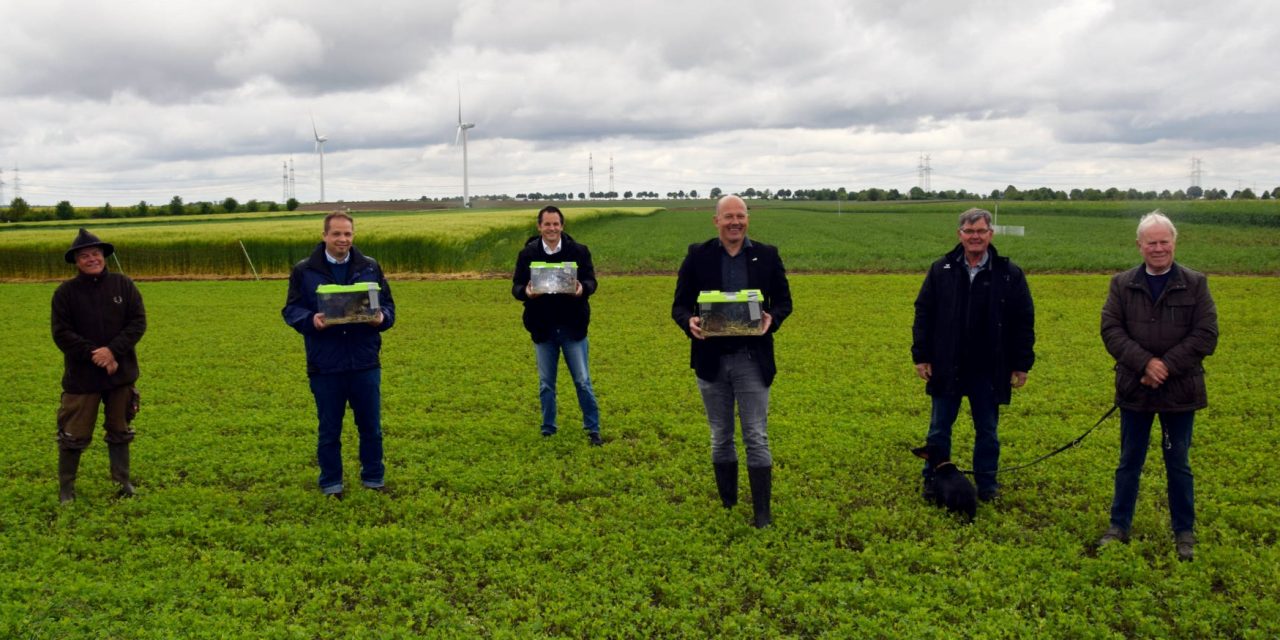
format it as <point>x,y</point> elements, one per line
<point>552,265</point>
<point>359,287</point>
<point>745,295</point>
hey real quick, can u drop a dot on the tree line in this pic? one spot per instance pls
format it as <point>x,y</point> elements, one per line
<point>19,211</point>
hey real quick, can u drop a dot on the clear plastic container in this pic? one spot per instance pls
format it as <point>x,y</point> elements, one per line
<point>730,313</point>
<point>347,303</point>
<point>553,277</point>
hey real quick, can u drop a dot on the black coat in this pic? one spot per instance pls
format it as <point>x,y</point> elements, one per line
<point>546,312</point>
<point>98,311</point>
<point>339,348</point>
<point>1180,328</point>
<point>700,271</point>
<point>940,322</point>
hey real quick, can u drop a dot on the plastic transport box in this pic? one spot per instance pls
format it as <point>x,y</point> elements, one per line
<point>730,313</point>
<point>347,303</point>
<point>554,277</point>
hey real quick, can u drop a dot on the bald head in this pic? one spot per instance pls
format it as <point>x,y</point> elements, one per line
<point>730,200</point>
<point>731,222</point>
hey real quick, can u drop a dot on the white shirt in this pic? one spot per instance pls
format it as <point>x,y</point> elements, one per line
<point>549,250</point>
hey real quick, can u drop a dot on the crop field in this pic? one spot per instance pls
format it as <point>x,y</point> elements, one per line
<point>430,242</point>
<point>493,531</point>
<point>1215,237</point>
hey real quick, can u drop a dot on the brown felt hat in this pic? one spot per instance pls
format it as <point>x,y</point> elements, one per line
<point>85,240</point>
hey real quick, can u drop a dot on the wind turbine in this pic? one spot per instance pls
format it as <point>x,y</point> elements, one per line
<point>320,140</point>
<point>462,135</point>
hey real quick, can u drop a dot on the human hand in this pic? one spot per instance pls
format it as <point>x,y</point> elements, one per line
<point>924,370</point>
<point>377,321</point>
<point>528,291</point>
<point>1018,379</point>
<point>111,368</point>
<point>695,328</point>
<point>318,321</point>
<point>766,322</point>
<point>577,291</point>
<point>1157,371</point>
<point>102,357</point>
<point>1146,380</point>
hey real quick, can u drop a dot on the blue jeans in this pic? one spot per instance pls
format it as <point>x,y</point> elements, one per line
<point>986,417</point>
<point>738,380</point>
<point>1135,436</point>
<point>575,356</point>
<point>363,391</point>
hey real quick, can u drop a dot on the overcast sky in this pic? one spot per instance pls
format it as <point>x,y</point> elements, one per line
<point>146,99</point>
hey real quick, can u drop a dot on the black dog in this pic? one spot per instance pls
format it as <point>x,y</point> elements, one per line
<point>951,489</point>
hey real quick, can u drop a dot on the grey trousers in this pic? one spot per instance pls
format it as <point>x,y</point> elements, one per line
<point>739,381</point>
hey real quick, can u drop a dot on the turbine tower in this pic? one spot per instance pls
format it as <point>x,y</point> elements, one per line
<point>462,135</point>
<point>320,140</point>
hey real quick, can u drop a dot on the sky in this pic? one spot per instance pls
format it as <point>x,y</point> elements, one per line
<point>146,99</point>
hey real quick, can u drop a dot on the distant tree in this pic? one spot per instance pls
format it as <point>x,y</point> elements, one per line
<point>626,194</point>
<point>693,193</point>
<point>1195,192</point>
<point>716,192</point>
<point>1247,194</point>
<point>272,206</point>
<point>1165,195</point>
<point>230,205</point>
<point>1266,195</point>
<point>581,196</point>
<point>1179,195</point>
<point>105,212</point>
<point>916,193</point>
<point>293,204</point>
<point>64,210</point>
<point>1275,193</point>
<point>175,206</point>
<point>18,209</point>
<point>206,208</point>
<point>142,209</point>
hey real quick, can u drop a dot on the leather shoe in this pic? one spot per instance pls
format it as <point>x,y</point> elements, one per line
<point>595,439</point>
<point>1185,542</point>
<point>1113,534</point>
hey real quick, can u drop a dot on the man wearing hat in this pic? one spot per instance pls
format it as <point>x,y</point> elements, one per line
<point>98,319</point>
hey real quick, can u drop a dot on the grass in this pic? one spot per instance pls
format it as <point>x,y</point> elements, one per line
<point>496,532</point>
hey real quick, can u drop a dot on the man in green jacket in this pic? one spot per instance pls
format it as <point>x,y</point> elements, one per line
<point>98,318</point>
<point>1159,323</point>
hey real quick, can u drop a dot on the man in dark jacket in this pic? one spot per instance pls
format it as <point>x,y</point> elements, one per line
<point>974,335</point>
<point>557,322</point>
<point>342,359</point>
<point>98,319</point>
<point>1159,323</point>
<point>735,369</point>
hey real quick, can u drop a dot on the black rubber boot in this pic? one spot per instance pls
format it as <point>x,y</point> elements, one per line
<point>68,465</point>
<point>118,454</point>
<point>761,491</point>
<point>727,482</point>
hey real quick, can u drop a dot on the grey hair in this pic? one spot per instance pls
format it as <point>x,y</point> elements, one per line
<point>1154,218</point>
<point>973,215</point>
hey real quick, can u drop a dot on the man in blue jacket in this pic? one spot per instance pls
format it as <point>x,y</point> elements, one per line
<point>342,359</point>
<point>974,335</point>
<point>558,322</point>
<point>735,369</point>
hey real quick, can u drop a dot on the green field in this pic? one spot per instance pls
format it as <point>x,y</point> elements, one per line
<point>1221,237</point>
<point>496,532</point>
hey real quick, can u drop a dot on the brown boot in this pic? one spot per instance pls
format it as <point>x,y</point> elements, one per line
<point>68,464</point>
<point>118,454</point>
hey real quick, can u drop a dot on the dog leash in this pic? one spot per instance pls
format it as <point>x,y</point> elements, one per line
<point>1055,451</point>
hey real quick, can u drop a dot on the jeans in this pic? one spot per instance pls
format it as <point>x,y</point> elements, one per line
<point>333,392</point>
<point>575,356</point>
<point>738,380</point>
<point>1135,435</point>
<point>986,417</point>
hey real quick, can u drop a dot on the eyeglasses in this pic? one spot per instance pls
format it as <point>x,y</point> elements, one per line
<point>975,232</point>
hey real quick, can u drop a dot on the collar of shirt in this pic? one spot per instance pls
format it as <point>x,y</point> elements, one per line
<point>549,251</point>
<point>982,264</point>
<point>746,243</point>
<point>333,260</point>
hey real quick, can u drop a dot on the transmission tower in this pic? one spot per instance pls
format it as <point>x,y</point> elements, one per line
<point>591,176</point>
<point>17,183</point>
<point>284,181</point>
<point>611,190</point>
<point>2,202</point>
<point>924,173</point>
<point>293,193</point>
<point>1196,172</point>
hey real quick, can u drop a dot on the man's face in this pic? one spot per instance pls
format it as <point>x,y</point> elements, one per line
<point>90,261</point>
<point>975,237</point>
<point>1156,244</point>
<point>550,228</point>
<point>731,221</point>
<point>338,239</point>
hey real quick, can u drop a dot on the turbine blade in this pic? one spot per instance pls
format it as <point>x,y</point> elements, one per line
<point>457,136</point>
